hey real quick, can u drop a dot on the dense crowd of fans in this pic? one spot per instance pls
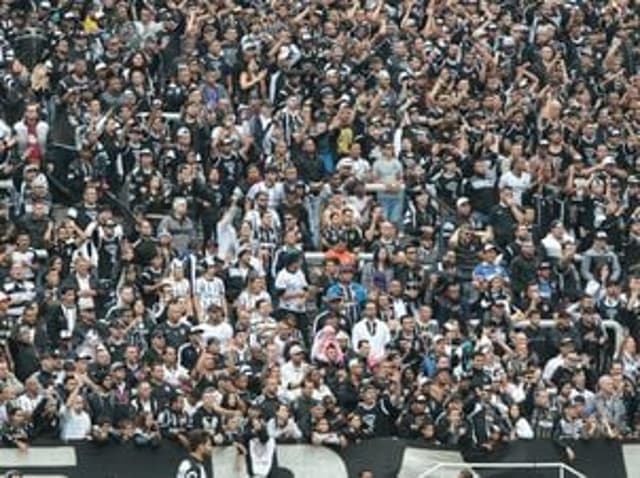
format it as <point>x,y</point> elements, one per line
<point>326,219</point>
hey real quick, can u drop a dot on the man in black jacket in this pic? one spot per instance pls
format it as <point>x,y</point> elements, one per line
<point>63,316</point>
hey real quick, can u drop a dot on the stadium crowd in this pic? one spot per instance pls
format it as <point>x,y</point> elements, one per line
<point>325,220</point>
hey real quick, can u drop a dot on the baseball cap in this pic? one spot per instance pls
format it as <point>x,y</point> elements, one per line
<point>462,200</point>
<point>332,294</point>
<point>489,247</point>
<point>85,356</point>
<point>117,366</point>
<point>296,349</point>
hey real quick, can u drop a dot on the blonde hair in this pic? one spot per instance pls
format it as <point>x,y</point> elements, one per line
<point>40,78</point>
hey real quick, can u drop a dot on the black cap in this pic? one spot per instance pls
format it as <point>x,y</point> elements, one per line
<point>50,354</point>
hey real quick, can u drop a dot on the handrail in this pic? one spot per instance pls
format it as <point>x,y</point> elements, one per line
<point>379,187</point>
<point>562,467</point>
<point>318,257</point>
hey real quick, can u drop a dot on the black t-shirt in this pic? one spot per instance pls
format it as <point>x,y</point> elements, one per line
<point>503,223</point>
<point>379,418</point>
<point>207,420</point>
<point>175,335</point>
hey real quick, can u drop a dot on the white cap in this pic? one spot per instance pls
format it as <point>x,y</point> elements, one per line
<point>462,200</point>
<point>295,349</point>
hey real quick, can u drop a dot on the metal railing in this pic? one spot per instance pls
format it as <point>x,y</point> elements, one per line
<point>317,258</point>
<point>564,470</point>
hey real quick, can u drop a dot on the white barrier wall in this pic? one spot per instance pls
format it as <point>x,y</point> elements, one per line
<point>39,457</point>
<point>631,454</point>
<point>416,460</point>
<point>304,461</point>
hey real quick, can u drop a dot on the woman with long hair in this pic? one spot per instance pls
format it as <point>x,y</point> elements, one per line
<point>630,358</point>
<point>378,273</point>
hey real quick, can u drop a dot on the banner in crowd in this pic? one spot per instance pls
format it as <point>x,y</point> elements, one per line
<point>386,458</point>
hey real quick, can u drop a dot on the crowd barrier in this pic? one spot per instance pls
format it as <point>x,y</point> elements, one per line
<point>386,457</point>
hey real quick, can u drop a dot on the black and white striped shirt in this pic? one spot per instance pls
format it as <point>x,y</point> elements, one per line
<point>20,293</point>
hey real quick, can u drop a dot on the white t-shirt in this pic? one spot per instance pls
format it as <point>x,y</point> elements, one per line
<point>27,403</point>
<point>387,171</point>
<point>222,331</point>
<point>84,285</point>
<point>174,376</point>
<point>377,333</point>
<point>519,185</point>
<point>27,259</point>
<point>291,283</point>
<point>290,374</point>
<point>275,193</point>
<point>74,426</point>
<point>360,167</point>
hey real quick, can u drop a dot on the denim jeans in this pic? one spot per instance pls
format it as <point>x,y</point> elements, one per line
<point>392,206</point>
